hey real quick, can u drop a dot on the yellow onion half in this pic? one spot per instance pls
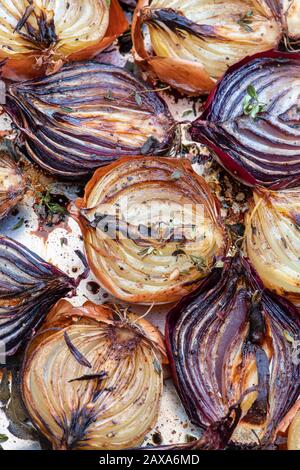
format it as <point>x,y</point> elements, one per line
<point>202,37</point>
<point>92,378</point>
<point>38,36</point>
<point>151,228</point>
<point>272,240</point>
<point>12,185</point>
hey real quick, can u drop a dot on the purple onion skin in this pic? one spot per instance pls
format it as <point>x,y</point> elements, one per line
<point>58,117</point>
<point>245,163</point>
<point>220,312</point>
<point>29,287</point>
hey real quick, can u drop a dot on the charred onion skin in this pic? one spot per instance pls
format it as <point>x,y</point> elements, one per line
<point>86,116</point>
<point>201,37</point>
<point>272,240</point>
<point>223,337</point>
<point>258,151</point>
<point>69,404</point>
<point>36,40</point>
<point>29,287</point>
<point>12,185</point>
<point>164,265</point>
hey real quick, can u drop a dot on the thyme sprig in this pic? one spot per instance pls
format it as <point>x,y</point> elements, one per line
<point>251,104</point>
<point>245,21</point>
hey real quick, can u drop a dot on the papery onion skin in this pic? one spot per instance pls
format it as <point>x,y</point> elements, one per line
<point>258,151</point>
<point>201,37</point>
<point>161,267</point>
<point>29,287</point>
<point>86,116</point>
<point>272,240</point>
<point>216,337</point>
<point>115,412</point>
<point>12,185</point>
<point>57,32</point>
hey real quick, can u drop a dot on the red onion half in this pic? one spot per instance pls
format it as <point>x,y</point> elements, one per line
<point>29,287</point>
<point>251,120</point>
<point>88,115</point>
<point>232,343</point>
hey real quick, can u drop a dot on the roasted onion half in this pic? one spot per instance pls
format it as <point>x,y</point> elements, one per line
<point>151,229</point>
<point>272,240</point>
<point>12,185</point>
<point>38,37</point>
<point>232,344</point>
<point>251,120</point>
<point>93,379</point>
<point>88,115</point>
<point>194,41</point>
<point>29,287</point>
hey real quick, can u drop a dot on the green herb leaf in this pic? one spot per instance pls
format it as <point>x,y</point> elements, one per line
<point>18,224</point>
<point>288,337</point>
<point>245,21</point>
<point>109,96</point>
<point>138,98</point>
<point>53,207</point>
<point>251,104</point>
<point>252,92</point>
<point>150,250</point>
<point>176,175</point>
<point>157,366</point>
<point>56,208</point>
<point>3,438</point>
<point>198,262</point>
<point>187,112</point>
<point>67,110</point>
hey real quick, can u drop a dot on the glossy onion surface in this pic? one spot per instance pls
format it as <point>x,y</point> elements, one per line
<point>232,343</point>
<point>264,147</point>
<point>93,379</point>
<point>272,240</point>
<point>151,228</point>
<point>29,287</point>
<point>88,115</point>
<point>38,36</point>
<point>202,37</point>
